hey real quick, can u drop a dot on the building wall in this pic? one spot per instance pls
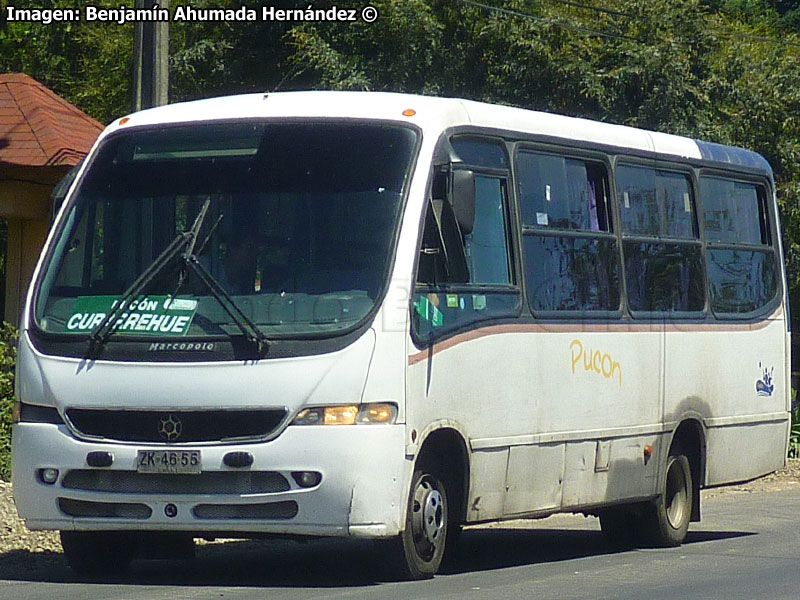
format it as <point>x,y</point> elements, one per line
<point>25,204</point>
<point>25,241</point>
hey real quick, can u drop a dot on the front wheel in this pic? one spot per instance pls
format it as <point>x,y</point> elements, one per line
<point>426,529</point>
<point>666,519</point>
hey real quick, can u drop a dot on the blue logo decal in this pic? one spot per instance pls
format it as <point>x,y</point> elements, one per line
<point>764,386</point>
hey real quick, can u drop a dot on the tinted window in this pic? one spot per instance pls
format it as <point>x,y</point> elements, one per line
<point>653,202</point>
<point>741,281</point>
<point>440,311</point>
<point>297,224</point>
<point>664,277</point>
<point>572,273</point>
<point>562,193</point>
<point>485,246</point>
<point>733,212</point>
<point>464,277</point>
<point>481,153</point>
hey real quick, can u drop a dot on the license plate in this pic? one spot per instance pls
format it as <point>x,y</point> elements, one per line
<point>168,461</point>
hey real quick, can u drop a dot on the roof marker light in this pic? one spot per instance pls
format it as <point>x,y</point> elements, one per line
<point>409,112</point>
<point>124,120</point>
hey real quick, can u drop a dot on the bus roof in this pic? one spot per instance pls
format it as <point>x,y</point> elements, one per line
<point>433,114</point>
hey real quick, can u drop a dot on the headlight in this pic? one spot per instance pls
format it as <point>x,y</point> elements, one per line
<point>348,414</point>
<point>377,412</point>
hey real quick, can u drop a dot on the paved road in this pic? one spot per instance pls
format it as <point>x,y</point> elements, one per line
<point>747,547</point>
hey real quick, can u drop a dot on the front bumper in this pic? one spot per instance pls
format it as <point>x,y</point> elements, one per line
<point>363,467</point>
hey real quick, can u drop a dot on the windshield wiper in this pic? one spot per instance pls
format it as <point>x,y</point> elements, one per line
<point>190,259</point>
<point>250,330</point>
<point>186,239</point>
<point>184,242</point>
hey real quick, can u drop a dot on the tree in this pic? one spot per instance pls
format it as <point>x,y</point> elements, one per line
<point>721,70</point>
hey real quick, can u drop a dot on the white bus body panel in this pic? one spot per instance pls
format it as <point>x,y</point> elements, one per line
<point>358,495</point>
<point>362,467</point>
<point>713,371</point>
<point>562,432</point>
<point>336,378</point>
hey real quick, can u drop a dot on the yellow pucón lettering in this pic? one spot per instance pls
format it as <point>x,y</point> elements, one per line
<point>594,360</point>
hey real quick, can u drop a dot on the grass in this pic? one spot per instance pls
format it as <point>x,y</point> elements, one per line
<point>794,436</point>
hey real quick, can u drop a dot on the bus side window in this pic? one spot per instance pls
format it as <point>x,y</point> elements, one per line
<point>486,246</point>
<point>571,256</point>
<point>449,254</point>
<point>663,254</point>
<point>464,272</point>
<point>741,264</point>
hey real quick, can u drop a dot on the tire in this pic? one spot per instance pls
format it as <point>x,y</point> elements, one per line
<point>424,538</point>
<point>666,519</point>
<point>620,527</point>
<point>98,553</point>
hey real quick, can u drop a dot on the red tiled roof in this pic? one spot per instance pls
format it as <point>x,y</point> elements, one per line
<point>38,127</point>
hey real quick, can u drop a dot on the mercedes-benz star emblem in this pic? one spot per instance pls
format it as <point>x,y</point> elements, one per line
<point>170,427</point>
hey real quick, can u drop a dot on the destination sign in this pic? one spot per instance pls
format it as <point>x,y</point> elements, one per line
<point>150,315</point>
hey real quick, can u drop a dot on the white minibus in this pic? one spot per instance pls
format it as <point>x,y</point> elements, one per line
<point>390,316</point>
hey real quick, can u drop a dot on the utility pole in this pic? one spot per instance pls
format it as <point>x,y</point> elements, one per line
<point>150,59</point>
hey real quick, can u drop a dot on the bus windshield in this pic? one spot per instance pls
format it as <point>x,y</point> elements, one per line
<point>297,226</point>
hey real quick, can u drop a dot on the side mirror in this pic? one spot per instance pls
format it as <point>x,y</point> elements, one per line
<point>462,198</point>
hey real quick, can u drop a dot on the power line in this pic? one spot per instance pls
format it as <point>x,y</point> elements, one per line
<point>595,32</point>
<point>607,11</point>
<point>555,22</point>
<point>761,38</point>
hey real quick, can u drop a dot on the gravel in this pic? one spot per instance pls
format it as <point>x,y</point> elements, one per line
<point>22,550</point>
<point>18,540</point>
<point>13,533</point>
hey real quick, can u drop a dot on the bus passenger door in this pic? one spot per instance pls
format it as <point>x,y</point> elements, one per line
<point>463,371</point>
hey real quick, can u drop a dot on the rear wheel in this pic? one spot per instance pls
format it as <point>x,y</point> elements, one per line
<point>666,519</point>
<point>98,552</point>
<point>425,535</point>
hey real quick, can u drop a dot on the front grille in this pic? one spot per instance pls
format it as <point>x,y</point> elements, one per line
<point>177,426</point>
<point>270,510</point>
<point>103,510</point>
<point>210,482</point>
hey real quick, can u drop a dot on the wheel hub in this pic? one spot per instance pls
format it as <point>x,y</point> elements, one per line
<point>432,516</point>
<point>429,519</point>
<point>676,496</point>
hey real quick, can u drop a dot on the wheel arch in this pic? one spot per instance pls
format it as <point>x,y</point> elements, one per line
<point>689,438</point>
<point>444,448</point>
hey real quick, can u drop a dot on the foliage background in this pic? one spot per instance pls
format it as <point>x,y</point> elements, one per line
<point>722,70</point>
<point>8,357</point>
